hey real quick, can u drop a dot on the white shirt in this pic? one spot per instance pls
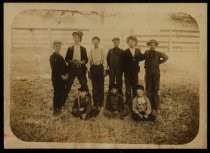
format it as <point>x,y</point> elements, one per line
<point>76,54</point>
<point>96,56</point>
<point>132,51</point>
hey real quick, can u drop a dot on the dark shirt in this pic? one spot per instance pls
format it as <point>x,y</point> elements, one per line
<point>83,103</point>
<point>114,102</point>
<point>58,66</point>
<point>153,59</point>
<point>130,62</point>
<point>114,58</point>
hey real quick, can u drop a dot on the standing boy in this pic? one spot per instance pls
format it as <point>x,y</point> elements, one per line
<point>96,72</point>
<point>114,63</point>
<point>153,59</point>
<point>59,75</point>
<point>76,57</point>
<point>131,58</point>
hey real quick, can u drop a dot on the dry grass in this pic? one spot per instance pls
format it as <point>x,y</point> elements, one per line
<point>31,108</point>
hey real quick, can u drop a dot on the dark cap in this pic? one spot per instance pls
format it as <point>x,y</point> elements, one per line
<point>83,89</point>
<point>115,39</point>
<point>79,33</point>
<point>132,38</point>
<point>139,87</point>
<point>96,37</point>
<point>114,85</point>
<point>152,41</point>
<point>57,42</point>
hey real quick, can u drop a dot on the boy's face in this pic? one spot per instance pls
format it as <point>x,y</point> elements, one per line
<point>116,43</point>
<point>82,94</point>
<point>152,46</point>
<point>131,43</point>
<point>140,93</point>
<point>57,47</point>
<point>76,39</point>
<point>96,42</point>
<point>114,90</point>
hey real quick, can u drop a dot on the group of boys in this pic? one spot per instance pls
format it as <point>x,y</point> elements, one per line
<point>139,104</point>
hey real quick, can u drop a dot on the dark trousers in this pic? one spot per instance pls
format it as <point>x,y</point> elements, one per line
<point>110,114</point>
<point>59,88</point>
<point>131,81</point>
<point>115,74</point>
<point>136,117</point>
<point>97,79</point>
<point>152,87</point>
<point>81,76</point>
<point>92,113</point>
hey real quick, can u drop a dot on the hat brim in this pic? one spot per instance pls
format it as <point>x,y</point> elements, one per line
<point>115,40</point>
<point>76,33</point>
<point>57,43</point>
<point>148,43</point>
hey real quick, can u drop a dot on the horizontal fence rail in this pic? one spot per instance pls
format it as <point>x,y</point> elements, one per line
<point>169,39</point>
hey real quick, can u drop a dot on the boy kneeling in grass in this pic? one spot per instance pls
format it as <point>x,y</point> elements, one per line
<point>114,104</point>
<point>141,108</point>
<point>82,105</point>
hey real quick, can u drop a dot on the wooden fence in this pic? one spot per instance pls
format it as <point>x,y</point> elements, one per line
<point>173,40</point>
<point>169,39</point>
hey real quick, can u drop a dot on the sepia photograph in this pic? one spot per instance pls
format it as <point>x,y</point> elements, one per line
<point>105,75</point>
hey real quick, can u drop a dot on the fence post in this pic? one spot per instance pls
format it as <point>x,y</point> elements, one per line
<point>50,38</point>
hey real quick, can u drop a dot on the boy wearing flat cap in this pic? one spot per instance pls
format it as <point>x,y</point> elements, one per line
<point>59,77</point>
<point>115,104</point>
<point>82,105</point>
<point>114,64</point>
<point>131,58</point>
<point>141,108</point>
<point>76,57</point>
<point>153,59</point>
<point>96,72</point>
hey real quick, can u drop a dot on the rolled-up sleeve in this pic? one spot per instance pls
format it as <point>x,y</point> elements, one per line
<point>162,57</point>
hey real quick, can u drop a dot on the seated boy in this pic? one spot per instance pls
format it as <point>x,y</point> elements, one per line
<point>82,105</point>
<point>114,104</point>
<point>141,108</point>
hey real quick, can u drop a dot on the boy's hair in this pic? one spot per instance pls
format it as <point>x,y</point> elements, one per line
<point>57,42</point>
<point>78,33</point>
<point>140,87</point>
<point>96,37</point>
<point>114,86</point>
<point>83,89</point>
<point>132,38</point>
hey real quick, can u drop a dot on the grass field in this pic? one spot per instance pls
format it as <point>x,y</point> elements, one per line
<point>31,106</point>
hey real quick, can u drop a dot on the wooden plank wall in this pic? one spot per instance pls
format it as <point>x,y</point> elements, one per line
<point>170,39</point>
